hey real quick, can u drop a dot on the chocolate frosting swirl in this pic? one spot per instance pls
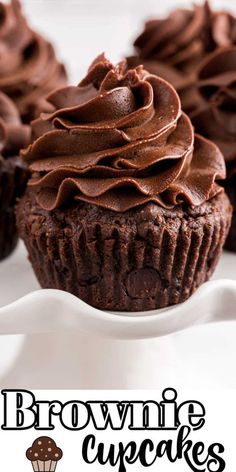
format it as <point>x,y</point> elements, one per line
<point>174,46</point>
<point>119,140</point>
<point>29,69</point>
<point>216,118</point>
<point>13,134</point>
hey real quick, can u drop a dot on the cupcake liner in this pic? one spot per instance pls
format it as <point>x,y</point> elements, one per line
<point>141,260</point>
<point>35,466</point>
<point>230,188</point>
<point>44,466</point>
<point>8,232</point>
<point>53,466</point>
<point>230,243</point>
<point>13,177</point>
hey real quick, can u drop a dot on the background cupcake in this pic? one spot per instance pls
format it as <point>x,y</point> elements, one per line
<point>29,69</point>
<point>44,455</point>
<point>13,173</point>
<point>216,117</point>
<point>173,47</point>
<point>123,208</point>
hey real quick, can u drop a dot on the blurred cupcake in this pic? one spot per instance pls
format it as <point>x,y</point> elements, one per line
<point>173,47</point>
<point>13,173</point>
<point>216,117</point>
<point>123,208</point>
<point>44,455</point>
<point>29,69</point>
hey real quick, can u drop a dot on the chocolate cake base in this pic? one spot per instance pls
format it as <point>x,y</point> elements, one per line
<point>13,178</point>
<point>230,188</point>
<point>143,259</point>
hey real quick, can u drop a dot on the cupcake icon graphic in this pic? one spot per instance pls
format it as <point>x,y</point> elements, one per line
<point>44,455</point>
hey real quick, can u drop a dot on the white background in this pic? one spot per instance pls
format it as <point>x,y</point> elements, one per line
<point>82,29</point>
<point>219,427</point>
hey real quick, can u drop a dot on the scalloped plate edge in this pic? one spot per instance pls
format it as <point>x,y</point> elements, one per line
<point>47,311</point>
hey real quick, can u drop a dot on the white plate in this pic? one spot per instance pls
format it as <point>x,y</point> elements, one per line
<point>67,344</point>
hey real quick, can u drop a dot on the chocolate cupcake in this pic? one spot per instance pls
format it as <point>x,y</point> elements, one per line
<point>29,69</point>
<point>123,208</point>
<point>44,455</point>
<point>173,47</point>
<point>216,117</point>
<point>13,172</point>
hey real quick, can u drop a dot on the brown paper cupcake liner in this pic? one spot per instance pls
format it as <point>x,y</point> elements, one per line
<point>143,259</point>
<point>13,178</point>
<point>230,243</point>
<point>230,188</point>
<point>8,232</point>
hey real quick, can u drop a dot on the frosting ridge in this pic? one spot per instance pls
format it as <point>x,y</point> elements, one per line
<point>118,140</point>
<point>29,68</point>
<point>174,46</point>
<point>216,118</point>
<point>13,134</point>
